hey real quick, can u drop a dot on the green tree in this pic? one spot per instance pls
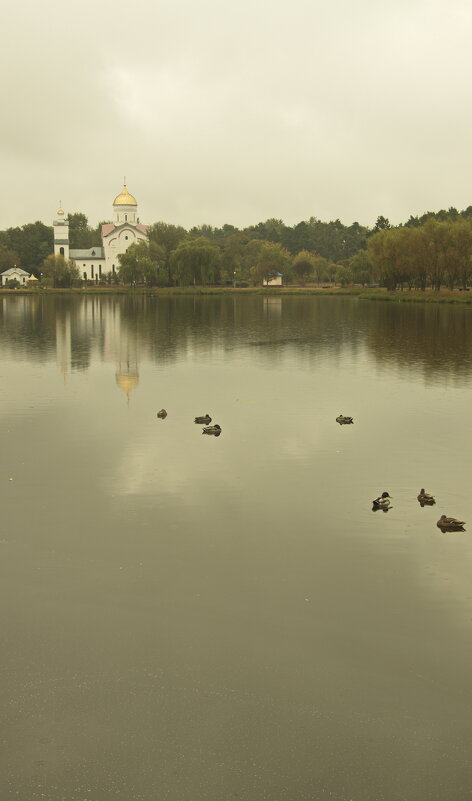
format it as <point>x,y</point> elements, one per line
<point>59,272</point>
<point>272,230</point>
<point>80,234</point>
<point>381,224</point>
<point>303,265</point>
<point>459,253</point>
<point>168,237</point>
<point>8,258</point>
<point>381,254</point>
<point>343,275</point>
<point>196,261</point>
<point>271,259</point>
<point>321,269</point>
<point>361,268</point>
<point>142,263</point>
<point>436,234</point>
<point>33,242</point>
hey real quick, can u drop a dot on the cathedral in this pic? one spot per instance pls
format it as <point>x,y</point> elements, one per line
<point>100,261</point>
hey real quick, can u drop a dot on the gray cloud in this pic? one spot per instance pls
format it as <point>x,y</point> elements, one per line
<point>220,113</point>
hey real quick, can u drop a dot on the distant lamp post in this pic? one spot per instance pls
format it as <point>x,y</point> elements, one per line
<point>234,279</point>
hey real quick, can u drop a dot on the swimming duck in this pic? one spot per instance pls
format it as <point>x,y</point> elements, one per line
<point>425,499</point>
<point>382,502</point>
<point>450,524</point>
<point>203,420</point>
<point>215,430</point>
<point>342,420</point>
<point>162,414</point>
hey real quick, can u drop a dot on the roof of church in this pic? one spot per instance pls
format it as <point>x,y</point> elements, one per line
<point>15,270</point>
<point>90,253</point>
<point>108,228</point>
<point>124,198</point>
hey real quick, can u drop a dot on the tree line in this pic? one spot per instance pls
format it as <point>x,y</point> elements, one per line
<point>434,249</point>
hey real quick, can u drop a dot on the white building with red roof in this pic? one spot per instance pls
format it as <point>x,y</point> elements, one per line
<point>117,237</point>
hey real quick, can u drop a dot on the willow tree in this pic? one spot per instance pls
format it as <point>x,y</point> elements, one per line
<point>196,261</point>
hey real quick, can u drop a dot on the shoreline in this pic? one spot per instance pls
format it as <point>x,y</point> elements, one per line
<point>405,296</point>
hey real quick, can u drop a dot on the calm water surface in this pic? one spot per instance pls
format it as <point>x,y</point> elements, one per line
<point>187,618</point>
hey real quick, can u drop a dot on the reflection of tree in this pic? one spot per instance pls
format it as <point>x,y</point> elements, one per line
<point>124,329</point>
<point>430,338</point>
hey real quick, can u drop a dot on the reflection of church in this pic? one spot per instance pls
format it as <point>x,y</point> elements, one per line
<point>117,236</point>
<point>100,322</point>
<point>122,347</point>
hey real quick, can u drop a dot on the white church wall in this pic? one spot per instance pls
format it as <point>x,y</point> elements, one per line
<point>90,270</point>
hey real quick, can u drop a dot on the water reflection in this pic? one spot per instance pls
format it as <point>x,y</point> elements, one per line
<point>427,339</point>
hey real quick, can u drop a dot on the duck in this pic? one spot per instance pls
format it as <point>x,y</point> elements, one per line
<point>203,420</point>
<point>342,420</point>
<point>382,502</point>
<point>215,430</point>
<point>162,414</point>
<point>450,524</point>
<point>425,499</point>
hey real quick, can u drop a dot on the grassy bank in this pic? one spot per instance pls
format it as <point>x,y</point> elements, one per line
<point>379,293</point>
<point>197,290</point>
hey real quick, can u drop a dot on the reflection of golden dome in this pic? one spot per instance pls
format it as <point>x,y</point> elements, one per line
<point>60,212</point>
<point>127,382</point>
<point>124,198</point>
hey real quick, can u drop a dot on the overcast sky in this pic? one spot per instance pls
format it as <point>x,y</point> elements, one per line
<point>222,112</point>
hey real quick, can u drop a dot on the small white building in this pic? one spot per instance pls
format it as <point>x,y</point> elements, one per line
<point>275,280</point>
<point>117,236</point>
<point>15,274</point>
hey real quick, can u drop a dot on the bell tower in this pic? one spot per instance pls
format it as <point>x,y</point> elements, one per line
<point>61,235</point>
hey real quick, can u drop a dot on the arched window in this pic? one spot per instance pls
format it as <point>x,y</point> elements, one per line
<point>113,268</point>
<point>91,270</point>
<point>85,275</point>
<point>61,251</point>
<point>126,218</point>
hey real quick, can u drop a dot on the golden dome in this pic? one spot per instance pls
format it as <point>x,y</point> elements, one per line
<point>60,212</point>
<point>124,198</point>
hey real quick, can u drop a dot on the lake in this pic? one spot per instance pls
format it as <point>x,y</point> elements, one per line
<point>191,618</point>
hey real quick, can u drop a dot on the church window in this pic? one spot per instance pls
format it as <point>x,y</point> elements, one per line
<point>93,253</point>
<point>113,268</point>
<point>61,251</point>
<point>126,237</point>
<point>91,270</point>
<point>85,275</point>
<point>126,218</point>
<point>99,269</point>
